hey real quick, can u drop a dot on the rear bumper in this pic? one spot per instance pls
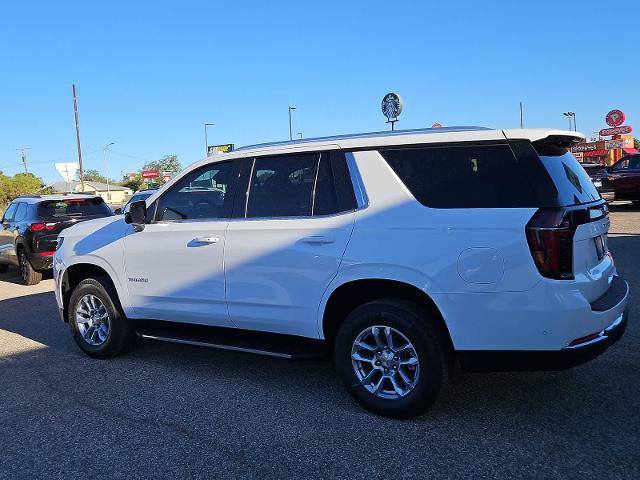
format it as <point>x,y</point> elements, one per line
<point>568,357</point>
<point>41,262</point>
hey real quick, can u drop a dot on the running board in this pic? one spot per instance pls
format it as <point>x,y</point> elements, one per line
<point>235,340</point>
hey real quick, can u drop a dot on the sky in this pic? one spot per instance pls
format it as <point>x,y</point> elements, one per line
<point>150,74</point>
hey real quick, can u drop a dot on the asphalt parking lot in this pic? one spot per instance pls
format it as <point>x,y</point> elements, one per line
<point>169,411</point>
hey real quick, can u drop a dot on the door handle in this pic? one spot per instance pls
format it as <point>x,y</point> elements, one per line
<point>206,239</point>
<point>318,239</point>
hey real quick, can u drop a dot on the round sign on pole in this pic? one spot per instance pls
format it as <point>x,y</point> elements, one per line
<point>392,105</point>
<point>615,118</point>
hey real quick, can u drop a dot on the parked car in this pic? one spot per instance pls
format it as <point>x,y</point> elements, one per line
<point>400,252</point>
<point>601,178</point>
<point>139,195</point>
<point>625,175</point>
<point>30,228</point>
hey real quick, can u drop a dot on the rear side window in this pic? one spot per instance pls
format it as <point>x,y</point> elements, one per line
<point>21,212</point>
<point>334,188</point>
<point>571,180</point>
<point>282,186</point>
<point>464,176</point>
<point>300,185</point>
<point>74,208</point>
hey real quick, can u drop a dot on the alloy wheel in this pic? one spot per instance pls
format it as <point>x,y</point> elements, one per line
<point>385,362</point>
<point>92,320</point>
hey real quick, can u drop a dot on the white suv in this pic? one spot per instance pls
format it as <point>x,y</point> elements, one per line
<point>400,251</point>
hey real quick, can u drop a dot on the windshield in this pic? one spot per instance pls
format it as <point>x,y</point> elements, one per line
<point>73,208</point>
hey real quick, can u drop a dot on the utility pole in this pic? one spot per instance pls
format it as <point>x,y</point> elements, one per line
<point>23,157</point>
<point>521,116</point>
<point>75,112</point>
<point>206,141</point>
<point>106,168</point>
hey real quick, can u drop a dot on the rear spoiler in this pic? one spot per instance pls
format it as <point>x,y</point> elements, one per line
<point>545,136</point>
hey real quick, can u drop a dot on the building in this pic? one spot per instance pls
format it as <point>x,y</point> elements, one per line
<point>604,152</point>
<point>110,193</point>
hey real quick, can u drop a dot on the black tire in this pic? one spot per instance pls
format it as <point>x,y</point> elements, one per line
<point>4,267</point>
<point>28,274</point>
<point>430,343</point>
<point>120,336</point>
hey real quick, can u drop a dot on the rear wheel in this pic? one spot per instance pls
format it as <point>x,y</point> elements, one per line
<point>97,323</point>
<point>393,357</point>
<point>28,274</point>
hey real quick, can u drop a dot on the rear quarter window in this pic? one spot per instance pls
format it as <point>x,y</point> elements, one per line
<point>571,180</point>
<point>465,176</point>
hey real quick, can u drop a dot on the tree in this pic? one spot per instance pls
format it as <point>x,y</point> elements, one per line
<point>134,183</point>
<point>19,184</point>
<point>95,176</point>
<point>636,143</point>
<point>168,163</point>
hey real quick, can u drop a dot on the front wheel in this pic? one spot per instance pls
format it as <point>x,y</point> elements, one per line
<point>393,357</point>
<point>28,274</point>
<point>97,323</point>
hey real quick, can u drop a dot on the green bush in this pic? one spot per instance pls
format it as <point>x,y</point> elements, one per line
<point>19,184</point>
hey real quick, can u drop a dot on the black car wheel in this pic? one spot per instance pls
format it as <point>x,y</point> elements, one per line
<point>393,357</point>
<point>97,322</point>
<point>28,274</point>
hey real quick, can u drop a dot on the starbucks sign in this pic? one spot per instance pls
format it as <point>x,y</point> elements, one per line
<point>392,105</point>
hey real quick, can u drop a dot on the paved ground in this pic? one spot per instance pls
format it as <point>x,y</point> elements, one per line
<point>168,411</point>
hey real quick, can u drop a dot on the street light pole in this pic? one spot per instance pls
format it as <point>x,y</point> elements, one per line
<point>206,142</point>
<point>571,115</point>
<point>106,168</point>
<point>290,131</point>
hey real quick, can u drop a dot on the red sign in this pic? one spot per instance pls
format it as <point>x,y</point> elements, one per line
<point>596,153</point>
<point>615,118</point>
<point>150,174</point>
<point>606,132</point>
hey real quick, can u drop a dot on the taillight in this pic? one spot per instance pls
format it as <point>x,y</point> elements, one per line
<point>39,227</point>
<point>550,238</point>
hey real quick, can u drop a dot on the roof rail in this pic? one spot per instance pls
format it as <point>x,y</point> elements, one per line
<point>386,133</point>
<point>29,195</point>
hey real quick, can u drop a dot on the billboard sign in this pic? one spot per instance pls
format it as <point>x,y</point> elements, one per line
<point>615,118</point>
<point>613,144</point>
<point>224,148</point>
<point>606,132</point>
<point>67,170</point>
<point>150,174</point>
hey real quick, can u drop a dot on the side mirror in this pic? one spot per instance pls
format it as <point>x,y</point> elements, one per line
<point>118,211</point>
<point>137,215</point>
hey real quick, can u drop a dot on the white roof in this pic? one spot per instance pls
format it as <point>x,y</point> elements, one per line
<point>401,137</point>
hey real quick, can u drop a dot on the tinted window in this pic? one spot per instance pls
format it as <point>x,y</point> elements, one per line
<point>465,176</point>
<point>334,189</point>
<point>8,214</point>
<point>202,194</point>
<point>21,212</point>
<point>74,207</point>
<point>572,182</point>
<point>282,186</point>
